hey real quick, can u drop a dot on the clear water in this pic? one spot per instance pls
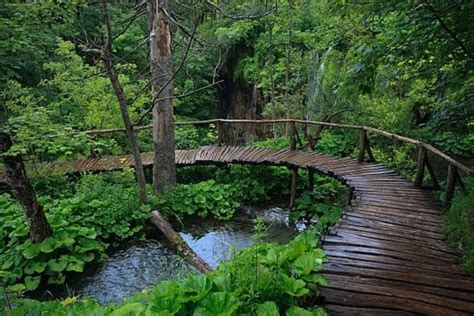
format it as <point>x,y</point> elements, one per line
<point>144,263</point>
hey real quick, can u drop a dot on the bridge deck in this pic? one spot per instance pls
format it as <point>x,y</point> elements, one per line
<point>387,255</point>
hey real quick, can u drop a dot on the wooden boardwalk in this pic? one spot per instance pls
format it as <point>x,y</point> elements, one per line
<point>387,255</point>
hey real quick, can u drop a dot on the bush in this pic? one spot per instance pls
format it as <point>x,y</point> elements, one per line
<point>267,279</point>
<point>104,209</point>
<point>202,199</point>
<point>459,226</point>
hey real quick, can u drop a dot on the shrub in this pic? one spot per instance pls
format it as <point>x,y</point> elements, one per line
<point>104,209</point>
<point>459,226</point>
<point>202,199</point>
<point>267,279</point>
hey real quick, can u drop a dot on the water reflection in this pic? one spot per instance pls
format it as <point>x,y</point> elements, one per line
<point>144,263</point>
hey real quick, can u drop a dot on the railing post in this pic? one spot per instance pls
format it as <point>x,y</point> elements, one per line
<point>220,140</point>
<point>294,183</point>
<point>292,135</point>
<point>311,179</point>
<point>450,184</point>
<point>362,144</point>
<point>420,170</point>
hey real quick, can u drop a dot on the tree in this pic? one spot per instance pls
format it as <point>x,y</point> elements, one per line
<point>161,68</point>
<point>106,55</point>
<point>23,191</point>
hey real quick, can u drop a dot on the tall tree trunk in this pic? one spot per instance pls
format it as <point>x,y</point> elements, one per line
<point>122,100</point>
<point>23,191</point>
<point>161,68</point>
<point>287,68</point>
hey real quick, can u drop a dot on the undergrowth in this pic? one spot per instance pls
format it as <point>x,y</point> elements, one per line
<point>266,279</point>
<point>459,225</point>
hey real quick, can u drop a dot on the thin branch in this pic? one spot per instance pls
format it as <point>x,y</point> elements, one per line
<point>448,30</point>
<point>176,97</point>
<point>241,17</point>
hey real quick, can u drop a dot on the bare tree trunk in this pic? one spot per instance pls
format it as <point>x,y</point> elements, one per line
<point>272,80</point>
<point>23,191</point>
<point>178,243</point>
<point>161,68</point>
<point>122,100</point>
<point>287,68</point>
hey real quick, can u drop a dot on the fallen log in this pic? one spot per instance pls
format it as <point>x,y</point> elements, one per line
<point>178,243</point>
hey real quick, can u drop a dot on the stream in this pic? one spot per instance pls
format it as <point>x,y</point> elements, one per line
<point>141,264</point>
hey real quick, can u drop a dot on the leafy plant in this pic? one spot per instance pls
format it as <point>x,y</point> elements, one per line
<point>288,274</point>
<point>459,226</point>
<point>202,199</point>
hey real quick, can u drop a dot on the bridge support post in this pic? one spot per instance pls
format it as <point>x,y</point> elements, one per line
<point>292,135</point>
<point>420,171</point>
<point>362,144</point>
<point>294,183</point>
<point>311,179</point>
<point>220,139</point>
<point>450,184</point>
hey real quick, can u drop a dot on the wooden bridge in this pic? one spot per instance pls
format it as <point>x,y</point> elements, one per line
<point>387,255</point>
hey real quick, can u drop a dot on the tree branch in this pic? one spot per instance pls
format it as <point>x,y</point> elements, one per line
<point>241,17</point>
<point>448,30</point>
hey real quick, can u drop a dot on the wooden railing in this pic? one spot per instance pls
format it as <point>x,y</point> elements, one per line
<point>455,168</point>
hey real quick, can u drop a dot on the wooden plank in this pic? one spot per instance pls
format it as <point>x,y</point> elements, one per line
<point>415,251</point>
<point>356,285</point>
<point>459,295</point>
<point>356,311</point>
<point>435,269</point>
<point>354,299</point>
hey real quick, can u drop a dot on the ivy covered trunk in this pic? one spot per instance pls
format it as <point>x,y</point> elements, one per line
<point>23,191</point>
<point>161,68</point>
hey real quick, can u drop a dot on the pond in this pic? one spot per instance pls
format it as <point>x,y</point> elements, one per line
<point>141,264</point>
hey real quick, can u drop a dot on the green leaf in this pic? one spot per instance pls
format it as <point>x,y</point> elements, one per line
<point>77,266</point>
<point>220,303</point>
<point>292,286</point>
<point>201,199</point>
<point>57,265</point>
<point>298,311</point>
<point>130,309</point>
<point>32,283</point>
<point>17,288</point>
<point>196,287</point>
<point>306,263</point>
<point>267,309</point>
<point>316,279</point>
<point>47,245</point>
<point>31,251</point>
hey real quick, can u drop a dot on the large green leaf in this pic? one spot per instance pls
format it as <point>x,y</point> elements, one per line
<point>218,304</point>
<point>268,309</point>
<point>31,251</point>
<point>129,309</point>
<point>306,263</point>
<point>58,265</point>
<point>31,283</point>
<point>196,287</point>
<point>292,286</point>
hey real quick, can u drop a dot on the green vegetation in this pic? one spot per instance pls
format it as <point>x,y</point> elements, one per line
<point>402,66</point>
<point>100,211</point>
<point>282,278</point>
<point>459,226</point>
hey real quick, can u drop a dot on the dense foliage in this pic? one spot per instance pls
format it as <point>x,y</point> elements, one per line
<point>459,226</point>
<point>283,278</point>
<point>402,66</point>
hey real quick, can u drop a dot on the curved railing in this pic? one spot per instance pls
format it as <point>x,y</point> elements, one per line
<point>455,168</point>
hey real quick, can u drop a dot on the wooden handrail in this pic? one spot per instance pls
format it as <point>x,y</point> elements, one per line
<point>428,147</point>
